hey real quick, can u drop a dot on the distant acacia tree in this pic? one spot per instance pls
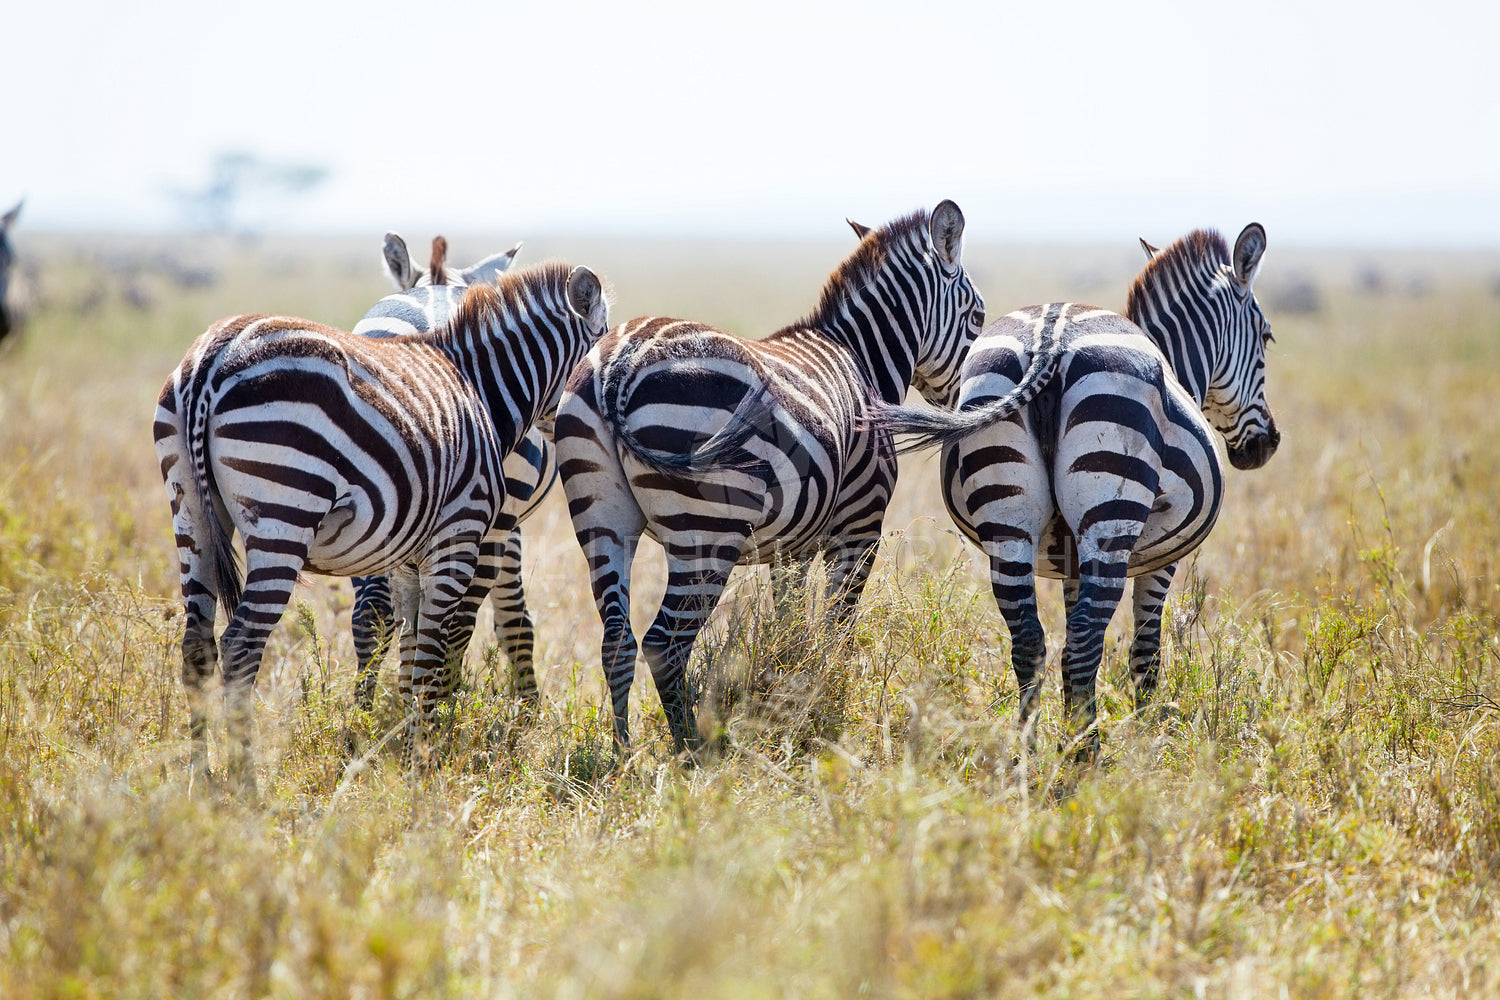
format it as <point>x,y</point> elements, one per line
<point>234,178</point>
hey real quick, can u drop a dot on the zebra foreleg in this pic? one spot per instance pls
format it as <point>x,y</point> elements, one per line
<point>849,563</point>
<point>514,629</point>
<point>371,623</point>
<point>1149,593</point>
<point>695,581</point>
<point>443,583</point>
<point>1091,601</point>
<point>459,629</point>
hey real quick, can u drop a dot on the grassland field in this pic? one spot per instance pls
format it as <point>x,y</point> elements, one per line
<point>1315,814</point>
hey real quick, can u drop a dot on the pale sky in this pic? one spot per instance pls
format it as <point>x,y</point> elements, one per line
<point>1366,123</point>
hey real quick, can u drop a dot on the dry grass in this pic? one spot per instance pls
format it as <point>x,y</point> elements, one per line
<point>1317,815</point>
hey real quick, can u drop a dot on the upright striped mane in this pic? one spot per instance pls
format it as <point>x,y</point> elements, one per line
<point>1198,255</point>
<point>507,294</point>
<point>437,266</point>
<point>861,267</point>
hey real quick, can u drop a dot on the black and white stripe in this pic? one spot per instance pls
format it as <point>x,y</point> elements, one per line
<point>727,450</point>
<point>427,300</point>
<point>7,263</point>
<point>350,455</point>
<point>1084,449</point>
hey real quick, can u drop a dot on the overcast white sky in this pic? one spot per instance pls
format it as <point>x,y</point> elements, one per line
<point>1332,123</point>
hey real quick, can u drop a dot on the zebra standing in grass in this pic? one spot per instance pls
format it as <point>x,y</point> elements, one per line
<point>1084,449</point>
<point>352,455</point>
<point>426,300</point>
<point>727,450</point>
<point>7,262</point>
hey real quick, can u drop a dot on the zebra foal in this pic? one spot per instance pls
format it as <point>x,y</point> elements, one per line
<point>1084,449</point>
<point>426,300</point>
<point>347,455</point>
<point>727,450</point>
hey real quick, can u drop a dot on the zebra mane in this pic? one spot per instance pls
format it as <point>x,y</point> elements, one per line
<point>1201,253</point>
<point>507,294</point>
<point>861,266</point>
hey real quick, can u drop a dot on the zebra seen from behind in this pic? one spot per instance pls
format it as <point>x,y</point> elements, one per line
<point>727,450</point>
<point>345,455</point>
<point>426,300</point>
<point>7,263</point>
<point>1084,449</point>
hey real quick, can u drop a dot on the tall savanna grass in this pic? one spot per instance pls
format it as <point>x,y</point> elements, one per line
<point>1315,811</point>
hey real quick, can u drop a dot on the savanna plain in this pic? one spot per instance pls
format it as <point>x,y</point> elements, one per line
<point>1314,811</point>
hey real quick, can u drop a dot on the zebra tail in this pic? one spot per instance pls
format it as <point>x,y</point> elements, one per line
<point>724,450</point>
<point>221,554</point>
<point>924,427</point>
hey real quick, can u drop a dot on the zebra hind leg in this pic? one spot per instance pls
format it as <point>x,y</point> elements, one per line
<point>271,568</point>
<point>200,661</point>
<point>696,577</point>
<point>1091,600</point>
<point>1012,552</point>
<point>1149,593</point>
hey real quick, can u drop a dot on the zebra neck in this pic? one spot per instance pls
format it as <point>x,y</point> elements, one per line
<point>511,401</point>
<point>1176,325</point>
<point>872,334</point>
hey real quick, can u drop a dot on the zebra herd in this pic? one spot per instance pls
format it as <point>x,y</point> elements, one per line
<point>1076,443</point>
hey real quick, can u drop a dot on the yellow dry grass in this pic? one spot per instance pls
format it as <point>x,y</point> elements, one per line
<point>1318,815</point>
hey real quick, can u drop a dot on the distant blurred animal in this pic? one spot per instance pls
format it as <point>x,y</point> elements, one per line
<point>7,262</point>
<point>426,300</point>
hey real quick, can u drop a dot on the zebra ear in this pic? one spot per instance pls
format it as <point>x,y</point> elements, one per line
<point>398,263</point>
<point>9,218</point>
<point>1247,251</point>
<point>487,269</point>
<point>946,227</point>
<point>586,297</point>
<point>859,230</point>
<point>1151,251</point>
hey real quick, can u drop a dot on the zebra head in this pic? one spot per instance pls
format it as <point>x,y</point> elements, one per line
<point>1196,300</point>
<point>955,313</point>
<point>956,316</point>
<point>7,260</point>
<point>405,275</point>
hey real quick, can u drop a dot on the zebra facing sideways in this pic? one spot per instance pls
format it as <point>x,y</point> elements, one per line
<point>426,300</point>
<point>1084,449</point>
<point>348,455</point>
<point>727,450</point>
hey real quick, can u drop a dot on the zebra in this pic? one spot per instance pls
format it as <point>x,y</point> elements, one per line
<point>426,300</point>
<point>1084,449</point>
<point>349,455</point>
<point>7,262</point>
<point>727,450</point>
